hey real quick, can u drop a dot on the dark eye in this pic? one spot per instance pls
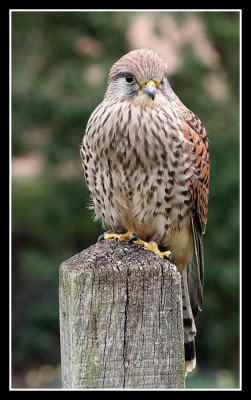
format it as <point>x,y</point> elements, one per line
<point>129,78</point>
<point>162,81</point>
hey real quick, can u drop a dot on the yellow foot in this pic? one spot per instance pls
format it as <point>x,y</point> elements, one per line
<point>131,237</point>
<point>152,246</point>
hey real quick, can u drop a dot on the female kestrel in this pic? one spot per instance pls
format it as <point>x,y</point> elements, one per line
<point>146,163</point>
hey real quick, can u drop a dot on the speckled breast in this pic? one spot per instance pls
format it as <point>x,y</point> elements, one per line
<point>138,171</point>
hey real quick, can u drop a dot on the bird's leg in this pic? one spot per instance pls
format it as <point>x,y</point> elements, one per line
<point>131,237</point>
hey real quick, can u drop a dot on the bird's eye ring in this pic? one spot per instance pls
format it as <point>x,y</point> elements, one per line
<point>129,78</point>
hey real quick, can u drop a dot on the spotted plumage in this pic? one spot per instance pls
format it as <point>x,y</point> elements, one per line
<point>146,163</point>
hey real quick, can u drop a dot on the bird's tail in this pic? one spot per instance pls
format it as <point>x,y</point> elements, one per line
<point>189,326</point>
<point>192,292</point>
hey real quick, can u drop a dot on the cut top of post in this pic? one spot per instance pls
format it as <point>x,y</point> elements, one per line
<point>120,319</point>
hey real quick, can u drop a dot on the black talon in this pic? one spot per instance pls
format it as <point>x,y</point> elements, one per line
<point>101,237</point>
<point>140,246</point>
<point>169,258</point>
<point>134,238</point>
<point>116,239</point>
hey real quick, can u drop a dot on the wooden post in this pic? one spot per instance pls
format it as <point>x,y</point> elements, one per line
<point>120,319</point>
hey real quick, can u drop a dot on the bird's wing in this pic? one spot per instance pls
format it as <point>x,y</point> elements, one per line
<point>195,132</point>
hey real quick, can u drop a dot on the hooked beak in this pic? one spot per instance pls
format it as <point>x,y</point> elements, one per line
<point>150,88</point>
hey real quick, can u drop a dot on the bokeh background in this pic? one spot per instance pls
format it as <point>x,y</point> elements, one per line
<point>60,63</point>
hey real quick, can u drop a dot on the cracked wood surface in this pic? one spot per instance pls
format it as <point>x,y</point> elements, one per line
<point>120,319</point>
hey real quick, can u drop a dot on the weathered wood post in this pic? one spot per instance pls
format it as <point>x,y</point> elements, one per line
<point>120,319</point>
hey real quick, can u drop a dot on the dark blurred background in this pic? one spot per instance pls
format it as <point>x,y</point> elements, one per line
<point>60,63</point>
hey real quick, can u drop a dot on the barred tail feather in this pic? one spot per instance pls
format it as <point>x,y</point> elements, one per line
<point>189,326</point>
<point>196,273</point>
<point>190,356</point>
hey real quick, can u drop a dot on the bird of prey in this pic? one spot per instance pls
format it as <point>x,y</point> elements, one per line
<point>146,164</point>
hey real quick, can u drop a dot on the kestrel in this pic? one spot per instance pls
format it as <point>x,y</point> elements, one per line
<point>146,163</point>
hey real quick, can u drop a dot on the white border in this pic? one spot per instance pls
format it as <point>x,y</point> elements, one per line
<point>240,195</point>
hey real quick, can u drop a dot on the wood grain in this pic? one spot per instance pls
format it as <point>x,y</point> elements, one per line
<point>120,319</point>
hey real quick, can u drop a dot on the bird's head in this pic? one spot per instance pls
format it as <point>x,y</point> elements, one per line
<point>139,75</point>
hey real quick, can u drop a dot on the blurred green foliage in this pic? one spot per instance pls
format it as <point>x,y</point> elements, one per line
<point>52,98</point>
